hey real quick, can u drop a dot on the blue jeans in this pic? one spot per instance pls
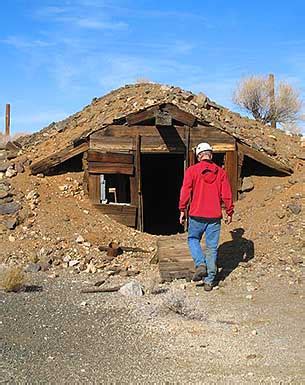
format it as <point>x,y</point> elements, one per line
<point>212,232</point>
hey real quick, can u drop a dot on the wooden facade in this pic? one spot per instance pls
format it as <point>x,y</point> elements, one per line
<point>118,148</point>
<point>113,158</point>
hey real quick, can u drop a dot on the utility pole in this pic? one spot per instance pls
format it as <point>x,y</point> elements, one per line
<point>272,99</point>
<point>8,120</point>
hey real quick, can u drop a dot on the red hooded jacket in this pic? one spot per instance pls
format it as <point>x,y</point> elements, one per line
<point>207,186</point>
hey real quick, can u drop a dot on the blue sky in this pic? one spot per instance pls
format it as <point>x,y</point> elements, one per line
<point>57,55</point>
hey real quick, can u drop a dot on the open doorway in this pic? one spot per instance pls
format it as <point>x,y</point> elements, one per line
<point>162,176</point>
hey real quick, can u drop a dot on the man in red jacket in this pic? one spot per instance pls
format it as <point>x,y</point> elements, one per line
<point>205,186</point>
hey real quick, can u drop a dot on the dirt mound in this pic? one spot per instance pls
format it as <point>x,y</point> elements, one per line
<point>59,226</point>
<point>49,221</point>
<point>123,101</point>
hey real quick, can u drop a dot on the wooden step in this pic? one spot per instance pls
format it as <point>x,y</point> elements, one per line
<point>175,261</point>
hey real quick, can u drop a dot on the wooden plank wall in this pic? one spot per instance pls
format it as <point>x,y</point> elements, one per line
<point>94,188</point>
<point>125,214</point>
<point>110,163</point>
<point>219,140</point>
<point>159,139</point>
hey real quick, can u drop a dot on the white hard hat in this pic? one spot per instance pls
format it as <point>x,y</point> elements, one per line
<point>203,147</point>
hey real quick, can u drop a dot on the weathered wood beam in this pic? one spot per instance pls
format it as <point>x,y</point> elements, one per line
<point>240,162</point>
<point>94,188</point>
<point>180,115</point>
<point>263,158</point>
<point>141,116</point>
<point>110,168</point>
<point>44,165</point>
<point>231,167</point>
<point>111,157</point>
<point>125,214</point>
<point>140,213</point>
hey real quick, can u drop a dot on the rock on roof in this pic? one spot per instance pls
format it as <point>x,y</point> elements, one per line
<point>131,98</point>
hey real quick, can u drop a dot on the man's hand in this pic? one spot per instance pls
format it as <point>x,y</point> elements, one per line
<point>182,218</point>
<point>228,219</point>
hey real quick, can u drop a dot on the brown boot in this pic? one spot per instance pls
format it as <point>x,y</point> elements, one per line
<point>200,273</point>
<point>208,287</point>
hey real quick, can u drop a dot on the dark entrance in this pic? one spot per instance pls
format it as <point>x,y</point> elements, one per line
<point>162,176</point>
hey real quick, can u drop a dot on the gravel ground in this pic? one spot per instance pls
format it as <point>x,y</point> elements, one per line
<point>247,331</point>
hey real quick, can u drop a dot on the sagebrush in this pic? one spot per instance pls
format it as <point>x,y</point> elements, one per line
<point>13,279</point>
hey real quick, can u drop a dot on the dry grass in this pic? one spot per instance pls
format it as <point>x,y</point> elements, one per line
<point>12,280</point>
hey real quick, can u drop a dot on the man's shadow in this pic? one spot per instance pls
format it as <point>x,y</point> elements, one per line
<point>231,253</point>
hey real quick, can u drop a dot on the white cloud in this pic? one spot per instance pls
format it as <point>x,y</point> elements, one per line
<point>91,23</point>
<point>80,15</point>
<point>20,42</point>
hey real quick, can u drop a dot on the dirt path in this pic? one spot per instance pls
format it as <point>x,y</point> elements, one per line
<point>249,331</point>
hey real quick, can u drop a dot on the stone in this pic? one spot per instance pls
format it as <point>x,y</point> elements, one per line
<point>295,208</point>
<point>73,262</point>
<point>200,99</point>
<point>132,289</point>
<point>12,154</point>
<point>132,273</point>
<point>91,268</point>
<point>280,215</point>
<point>10,172</point>
<point>269,150</point>
<point>3,194</point>
<point>4,166</point>
<point>19,167</point>
<point>32,268</point>
<point>296,259</point>
<point>32,195</point>
<point>8,199</point>
<point>247,184</point>
<point>11,238</point>
<point>254,332</point>
<point>2,175</point>
<point>79,239</point>
<point>10,223</point>
<point>44,266</point>
<point>293,180</point>
<point>3,228</point>
<point>301,156</point>
<point>278,188</point>
<point>9,208</point>
<point>4,185</point>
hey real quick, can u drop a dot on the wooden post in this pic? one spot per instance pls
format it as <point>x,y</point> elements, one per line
<point>272,99</point>
<point>231,167</point>
<point>8,120</point>
<point>240,162</point>
<point>140,221</point>
<point>187,151</point>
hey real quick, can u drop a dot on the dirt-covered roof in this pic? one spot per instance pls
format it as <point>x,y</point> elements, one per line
<point>131,98</point>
